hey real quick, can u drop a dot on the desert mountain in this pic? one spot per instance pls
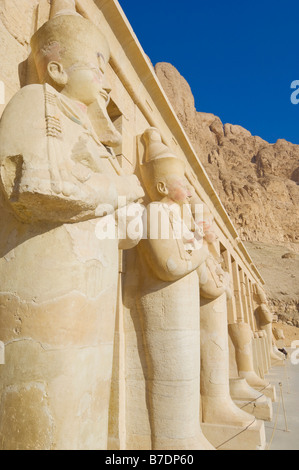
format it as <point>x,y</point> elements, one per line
<point>258,183</point>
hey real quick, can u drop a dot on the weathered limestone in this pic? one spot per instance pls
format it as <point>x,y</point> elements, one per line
<point>219,412</point>
<point>265,321</point>
<point>58,280</point>
<point>169,289</point>
<point>267,351</point>
<point>217,405</point>
<point>68,313</point>
<point>250,400</point>
<point>260,351</point>
<point>242,336</point>
<point>244,395</point>
<point>230,438</point>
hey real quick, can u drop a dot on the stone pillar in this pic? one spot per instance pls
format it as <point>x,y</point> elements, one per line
<point>251,293</point>
<point>266,352</point>
<point>244,297</point>
<point>117,419</point>
<point>231,314</point>
<point>255,354</point>
<point>237,292</point>
<point>259,352</point>
<point>250,303</point>
<point>231,301</point>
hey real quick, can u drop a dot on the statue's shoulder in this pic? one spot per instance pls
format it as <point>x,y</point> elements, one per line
<point>34,89</point>
<point>28,101</point>
<point>27,96</point>
<point>22,125</point>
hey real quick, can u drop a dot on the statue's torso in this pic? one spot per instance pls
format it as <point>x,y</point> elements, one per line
<point>45,259</point>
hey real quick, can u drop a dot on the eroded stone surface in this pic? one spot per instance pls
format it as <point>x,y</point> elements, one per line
<point>255,180</point>
<point>59,281</point>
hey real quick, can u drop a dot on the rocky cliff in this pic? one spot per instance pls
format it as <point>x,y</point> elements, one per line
<point>258,184</point>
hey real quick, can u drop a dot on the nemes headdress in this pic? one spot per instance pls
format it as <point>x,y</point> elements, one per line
<point>67,37</point>
<point>158,162</point>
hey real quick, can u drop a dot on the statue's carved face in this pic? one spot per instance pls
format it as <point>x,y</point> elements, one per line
<point>84,81</point>
<point>176,189</point>
<point>208,228</point>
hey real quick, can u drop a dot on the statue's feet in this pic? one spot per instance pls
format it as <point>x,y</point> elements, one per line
<point>241,390</point>
<point>254,380</point>
<point>223,411</point>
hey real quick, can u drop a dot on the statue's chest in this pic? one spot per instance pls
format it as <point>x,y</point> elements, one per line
<point>82,152</point>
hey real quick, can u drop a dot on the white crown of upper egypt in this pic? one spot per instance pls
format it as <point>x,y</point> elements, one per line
<point>66,37</point>
<point>157,162</point>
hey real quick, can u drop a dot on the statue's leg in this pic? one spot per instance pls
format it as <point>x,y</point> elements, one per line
<point>275,359</point>
<point>171,340</point>
<point>57,323</point>
<point>217,405</point>
<point>242,336</point>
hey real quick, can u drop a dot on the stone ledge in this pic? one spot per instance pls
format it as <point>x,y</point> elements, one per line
<point>225,437</point>
<point>260,408</point>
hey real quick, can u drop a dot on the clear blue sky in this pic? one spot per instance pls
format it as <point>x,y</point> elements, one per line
<point>239,57</point>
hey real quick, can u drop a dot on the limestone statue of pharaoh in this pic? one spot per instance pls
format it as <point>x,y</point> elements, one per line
<point>217,405</point>
<point>168,302</point>
<point>264,319</point>
<point>58,287</point>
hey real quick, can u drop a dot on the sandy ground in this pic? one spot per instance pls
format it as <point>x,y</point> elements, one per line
<point>291,333</point>
<point>281,276</point>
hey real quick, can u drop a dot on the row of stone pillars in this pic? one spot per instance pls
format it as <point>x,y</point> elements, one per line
<point>241,305</point>
<point>251,344</point>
